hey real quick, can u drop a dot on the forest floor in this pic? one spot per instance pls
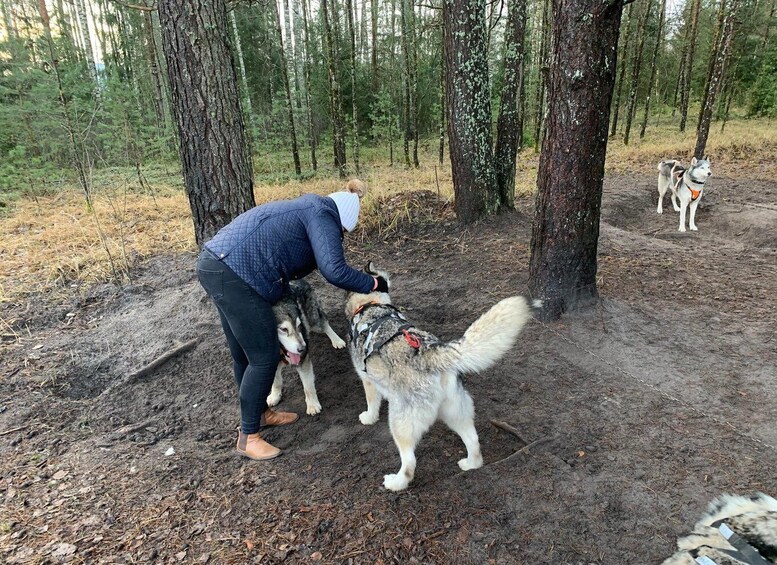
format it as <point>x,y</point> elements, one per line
<point>650,405</point>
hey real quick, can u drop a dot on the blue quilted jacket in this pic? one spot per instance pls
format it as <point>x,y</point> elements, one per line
<point>272,244</point>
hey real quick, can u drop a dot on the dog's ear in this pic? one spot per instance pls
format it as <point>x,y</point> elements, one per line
<point>369,268</point>
<point>693,161</point>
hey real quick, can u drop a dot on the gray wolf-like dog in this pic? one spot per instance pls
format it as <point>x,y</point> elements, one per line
<point>297,314</point>
<point>419,375</point>
<point>736,530</point>
<point>687,185</point>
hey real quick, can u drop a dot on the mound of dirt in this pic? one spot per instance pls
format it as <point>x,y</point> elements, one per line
<point>644,408</point>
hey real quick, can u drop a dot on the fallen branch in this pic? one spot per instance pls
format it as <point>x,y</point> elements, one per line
<point>109,439</point>
<point>151,367</point>
<point>504,426</point>
<point>20,428</point>
<point>525,450</point>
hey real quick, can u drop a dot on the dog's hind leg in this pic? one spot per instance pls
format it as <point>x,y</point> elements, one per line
<point>371,415</point>
<point>458,413</point>
<point>308,379</point>
<point>277,387</point>
<point>692,219</point>
<point>407,426</point>
<point>337,341</point>
<point>662,184</point>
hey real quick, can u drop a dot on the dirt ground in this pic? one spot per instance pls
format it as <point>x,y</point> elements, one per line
<point>649,406</point>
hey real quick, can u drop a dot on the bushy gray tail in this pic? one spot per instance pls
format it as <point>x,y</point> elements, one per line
<point>487,339</point>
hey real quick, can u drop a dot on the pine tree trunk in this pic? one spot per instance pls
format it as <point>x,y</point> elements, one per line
<point>291,66</point>
<point>720,54</point>
<point>287,88</point>
<point>406,82</point>
<point>469,109</point>
<point>653,68</point>
<point>636,67</point>
<point>685,88</point>
<point>414,80</point>
<point>509,129</point>
<point>563,264</point>
<point>215,153</point>
<point>354,108</point>
<point>335,99</point>
<point>711,63</point>
<point>623,58</point>
<point>306,74</point>
<point>442,100</point>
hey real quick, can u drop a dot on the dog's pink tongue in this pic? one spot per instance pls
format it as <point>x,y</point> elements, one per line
<point>294,358</point>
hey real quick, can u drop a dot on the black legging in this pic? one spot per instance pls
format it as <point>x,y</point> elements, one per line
<point>252,335</point>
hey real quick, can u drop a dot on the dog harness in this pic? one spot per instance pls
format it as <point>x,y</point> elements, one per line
<point>392,316</point>
<point>744,553</point>
<point>679,173</point>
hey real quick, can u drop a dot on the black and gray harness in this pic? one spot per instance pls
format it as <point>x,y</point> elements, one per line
<point>745,552</point>
<point>398,325</point>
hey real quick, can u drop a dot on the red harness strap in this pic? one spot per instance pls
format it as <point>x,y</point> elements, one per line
<point>412,340</point>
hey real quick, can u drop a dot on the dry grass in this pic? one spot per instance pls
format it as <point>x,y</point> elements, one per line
<point>52,242</point>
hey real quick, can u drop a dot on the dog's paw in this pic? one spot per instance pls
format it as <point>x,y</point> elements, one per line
<point>681,229</point>
<point>274,399</point>
<point>694,228</point>
<point>367,418</point>
<point>395,482</point>
<point>314,408</point>
<point>468,465</point>
<point>338,342</point>
<point>659,211</point>
<point>676,208</point>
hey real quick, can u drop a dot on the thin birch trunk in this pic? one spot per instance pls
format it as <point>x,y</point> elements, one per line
<point>335,105</point>
<point>241,65</point>
<point>287,88</point>
<point>685,89</point>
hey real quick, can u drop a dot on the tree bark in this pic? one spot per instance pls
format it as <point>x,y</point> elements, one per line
<point>653,68</point>
<point>685,87</point>
<point>636,67</point>
<point>215,153</point>
<point>720,54</point>
<point>563,264</point>
<point>287,88</point>
<point>469,109</point>
<point>335,99</point>
<point>407,81</point>
<point>509,129</point>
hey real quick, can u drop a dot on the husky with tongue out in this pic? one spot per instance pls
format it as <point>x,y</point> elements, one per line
<point>299,312</point>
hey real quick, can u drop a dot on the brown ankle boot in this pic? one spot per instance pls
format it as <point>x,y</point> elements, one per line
<point>272,418</point>
<point>254,447</point>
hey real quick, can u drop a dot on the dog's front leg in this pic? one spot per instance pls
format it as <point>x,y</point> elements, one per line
<point>692,219</point>
<point>308,379</point>
<point>683,209</point>
<point>661,193</point>
<point>277,387</point>
<point>337,341</point>
<point>371,415</point>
